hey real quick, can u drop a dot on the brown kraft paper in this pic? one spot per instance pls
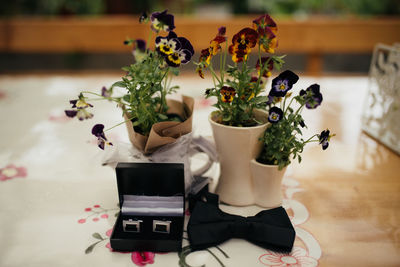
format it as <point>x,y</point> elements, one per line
<point>165,132</point>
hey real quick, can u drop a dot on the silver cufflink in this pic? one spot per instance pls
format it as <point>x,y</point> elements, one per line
<point>161,226</point>
<point>131,225</point>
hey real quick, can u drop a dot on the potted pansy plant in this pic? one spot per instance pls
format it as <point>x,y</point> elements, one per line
<point>152,120</point>
<point>282,140</point>
<point>240,118</point>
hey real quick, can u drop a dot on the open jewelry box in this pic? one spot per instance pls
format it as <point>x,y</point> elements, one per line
<point>152,205</point>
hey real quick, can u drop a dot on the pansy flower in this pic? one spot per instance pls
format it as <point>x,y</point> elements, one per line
<point>249,90</point>
<point>242,43</point>
<point>139,50</point>
<point>106,92</point>
<point>275,115</point>
<point>176,50</point>
<point>212,50</point>
<point>283,83</point>
<point>79,109</point>
<point>267,66</point>
<point>162,21</point>
<point>215,46</point>
<point>97,131</point>
<point>143,18</point>
<point>266,29</point>
<point>227,94</point>
<point>324,138</point>
<point>312,96</point>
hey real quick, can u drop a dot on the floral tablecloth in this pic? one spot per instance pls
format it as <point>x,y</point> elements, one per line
<point>58,204</point>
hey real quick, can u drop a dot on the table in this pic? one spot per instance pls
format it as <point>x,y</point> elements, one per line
<point>58,204</point>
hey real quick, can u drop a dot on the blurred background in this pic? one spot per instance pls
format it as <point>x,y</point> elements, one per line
<point>319,37</point>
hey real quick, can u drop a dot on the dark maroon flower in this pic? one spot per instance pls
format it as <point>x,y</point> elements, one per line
<point>324,139</point>
<point>162,21</point>
<point>266,29</point>
<point>312,96</point>
<point>283,83</point>
<point>221,30</point>
<point>242,43</point>
<point>98,131</point>
<point>302,124</point>
<point>275,115</point>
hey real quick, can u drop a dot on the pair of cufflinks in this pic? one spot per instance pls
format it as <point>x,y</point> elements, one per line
<point>135,225</point>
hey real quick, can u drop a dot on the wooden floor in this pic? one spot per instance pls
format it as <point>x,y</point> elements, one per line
<point>351,191</point>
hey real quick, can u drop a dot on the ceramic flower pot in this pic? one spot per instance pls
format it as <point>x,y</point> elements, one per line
<point>236,147</point>
<point>267,181</point>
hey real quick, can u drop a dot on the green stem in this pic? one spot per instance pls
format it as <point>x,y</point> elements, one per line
<point>118,124</point>
<point>309,139</point>
<point>148,40</point>
<point>290,103</point>
<point>102,97</point>
<point>214,74</point>
<point>284,103</point>
<point>163,104</point>
<point>222,68</point>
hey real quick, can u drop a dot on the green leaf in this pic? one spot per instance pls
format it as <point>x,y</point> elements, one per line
<point>162,116</point>
<point>126,98</point>
<point>175,71</point>
<point>243,106</point>
<point>260,99</point>
<point>119,84</point>
<point>97,235</point>
<point>226,117</point>
<point>91,247</point>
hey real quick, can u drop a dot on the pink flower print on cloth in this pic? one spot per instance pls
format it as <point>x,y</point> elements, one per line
<point>11,171</point>
<point>138,258</point>
<point>142,258</point>
<point>2,94</point>
<point>297,258</point>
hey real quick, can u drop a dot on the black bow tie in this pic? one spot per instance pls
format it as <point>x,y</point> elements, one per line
<point>209,226</point>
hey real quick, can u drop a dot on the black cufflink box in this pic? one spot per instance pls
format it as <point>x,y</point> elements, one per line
<point>152,207</point>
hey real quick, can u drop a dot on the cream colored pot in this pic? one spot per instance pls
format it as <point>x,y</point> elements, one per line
<point>236,147</point>
<point>267,181</point>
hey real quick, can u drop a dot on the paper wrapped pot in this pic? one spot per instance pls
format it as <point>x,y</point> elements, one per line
<point>166,132</point>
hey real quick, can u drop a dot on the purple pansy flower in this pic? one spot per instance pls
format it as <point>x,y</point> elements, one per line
<point>141,45</point>
<point>97,131</point>
<point>275,115</point>
<point>162,21</point>
<point>168,44</point>
<point>79,109</point>
<point>176,50</point>
<point>81,114</point>
<point>324,139</point>
<point>105,92</point>
<point>139,50</point>
<point>143,17</point>
<point>312,96</point>
<point>283,83</point>
<point>270,100</point>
